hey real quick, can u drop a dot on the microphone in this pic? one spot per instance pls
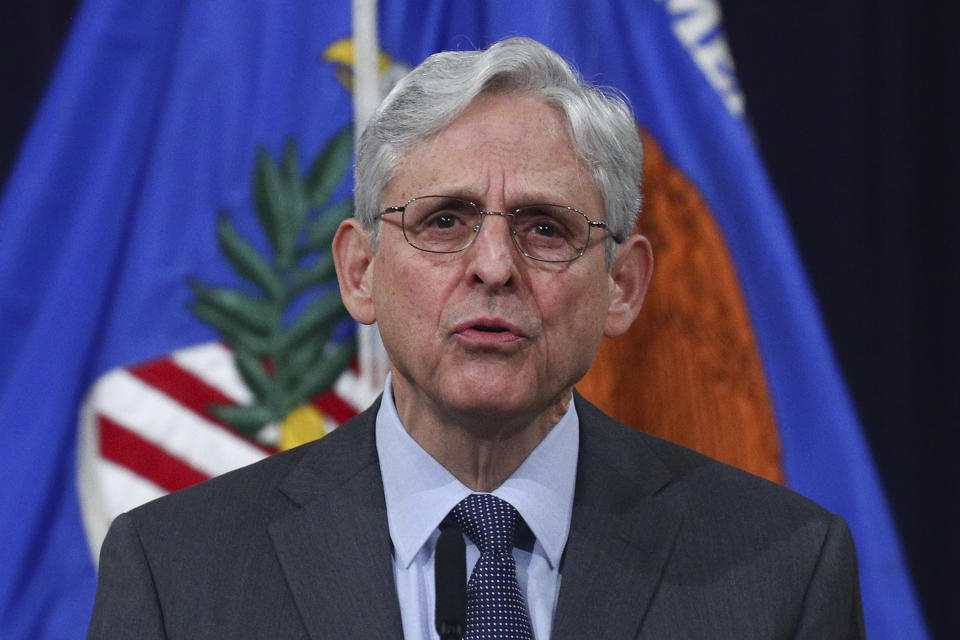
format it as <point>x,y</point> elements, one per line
<point>450,572</point>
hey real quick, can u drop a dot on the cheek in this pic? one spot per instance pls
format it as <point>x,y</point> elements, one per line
<point>574,317</point>
<point>569,302</point>
<point>409,298</point>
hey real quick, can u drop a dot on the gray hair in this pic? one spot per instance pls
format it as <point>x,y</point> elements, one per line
<point>434,94</point>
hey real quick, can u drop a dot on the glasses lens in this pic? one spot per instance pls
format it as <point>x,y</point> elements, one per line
<point>551,232</point>
<point>439,223</point>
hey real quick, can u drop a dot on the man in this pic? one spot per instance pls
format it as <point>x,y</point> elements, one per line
<point>496,197</point>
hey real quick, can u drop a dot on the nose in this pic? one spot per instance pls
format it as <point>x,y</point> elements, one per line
<point>494,255</point>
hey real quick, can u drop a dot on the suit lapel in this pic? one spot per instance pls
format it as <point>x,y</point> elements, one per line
<point>335,550</point>
<point>621,534</point>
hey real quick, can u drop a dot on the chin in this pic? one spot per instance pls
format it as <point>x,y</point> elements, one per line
<point>490,400</point>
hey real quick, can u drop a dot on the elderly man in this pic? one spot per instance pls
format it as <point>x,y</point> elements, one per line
<point>496,198</point>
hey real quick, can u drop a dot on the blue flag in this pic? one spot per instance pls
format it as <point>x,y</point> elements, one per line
<point>147,140</point>
<point>149,130</point>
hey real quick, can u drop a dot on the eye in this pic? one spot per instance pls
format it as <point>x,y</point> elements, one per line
<point>432,215</point>
<point>547,229</point>
<point>443,220</point>
<point>543,223</point>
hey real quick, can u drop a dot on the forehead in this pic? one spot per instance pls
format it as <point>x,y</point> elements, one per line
<point>510,147</point>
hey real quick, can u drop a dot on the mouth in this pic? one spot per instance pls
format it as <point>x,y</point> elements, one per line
<point>488,332</point>
<point>488,329</point>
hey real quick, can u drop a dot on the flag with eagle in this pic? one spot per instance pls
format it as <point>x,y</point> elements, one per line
<point>168,308</point>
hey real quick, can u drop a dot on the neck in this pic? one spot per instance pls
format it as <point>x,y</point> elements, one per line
<point>480,448</point>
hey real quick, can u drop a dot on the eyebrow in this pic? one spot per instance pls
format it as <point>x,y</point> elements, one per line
<point>469,193</point>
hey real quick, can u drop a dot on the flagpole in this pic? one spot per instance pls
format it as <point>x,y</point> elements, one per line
<point>366,77</point>
<point>366,97</point>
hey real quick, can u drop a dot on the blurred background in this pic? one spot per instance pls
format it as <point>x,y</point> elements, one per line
<point>854,108</point>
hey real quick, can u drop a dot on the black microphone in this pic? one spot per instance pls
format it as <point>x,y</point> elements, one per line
<point>450,571</point>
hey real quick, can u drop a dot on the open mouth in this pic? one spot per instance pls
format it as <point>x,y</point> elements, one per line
<point>489,329</point>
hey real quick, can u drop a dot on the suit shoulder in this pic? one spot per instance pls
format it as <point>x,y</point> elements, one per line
<point>707,485</point>
<point>711,483</point>
<point>733,542</point>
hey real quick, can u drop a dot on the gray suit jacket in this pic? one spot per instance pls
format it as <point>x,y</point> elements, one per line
<point>664,543</point>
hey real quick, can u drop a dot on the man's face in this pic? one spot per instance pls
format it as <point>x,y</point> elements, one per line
<point>488,329</point>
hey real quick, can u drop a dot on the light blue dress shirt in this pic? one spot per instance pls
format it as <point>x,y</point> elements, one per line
<point>420,493</point>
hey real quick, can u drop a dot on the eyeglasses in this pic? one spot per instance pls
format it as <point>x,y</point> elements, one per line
<point>545,232</point>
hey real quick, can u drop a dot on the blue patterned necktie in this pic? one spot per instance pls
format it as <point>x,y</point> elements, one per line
<point>495,607</point>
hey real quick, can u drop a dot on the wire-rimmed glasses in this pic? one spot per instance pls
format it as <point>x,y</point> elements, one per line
<point>545,232</point>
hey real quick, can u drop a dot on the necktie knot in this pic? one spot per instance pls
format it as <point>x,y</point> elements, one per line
<point>489,522</point>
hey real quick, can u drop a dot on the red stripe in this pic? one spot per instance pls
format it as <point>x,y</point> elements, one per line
<point>190,391</point>
<point>119,444</point>
<point>334,406</point>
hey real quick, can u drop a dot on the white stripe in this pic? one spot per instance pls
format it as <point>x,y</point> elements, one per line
<point>106,489</point>
<point>118,490</point>
<point>213,363</point>
<point>162,420</point>
<point>125,489</point>
<point>96,520</point>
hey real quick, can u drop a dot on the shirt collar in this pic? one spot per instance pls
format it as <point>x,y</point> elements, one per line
<point>420,492</point>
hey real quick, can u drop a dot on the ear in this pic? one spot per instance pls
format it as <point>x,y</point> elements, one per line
<point>353,258</point>
<point>629,280</point>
